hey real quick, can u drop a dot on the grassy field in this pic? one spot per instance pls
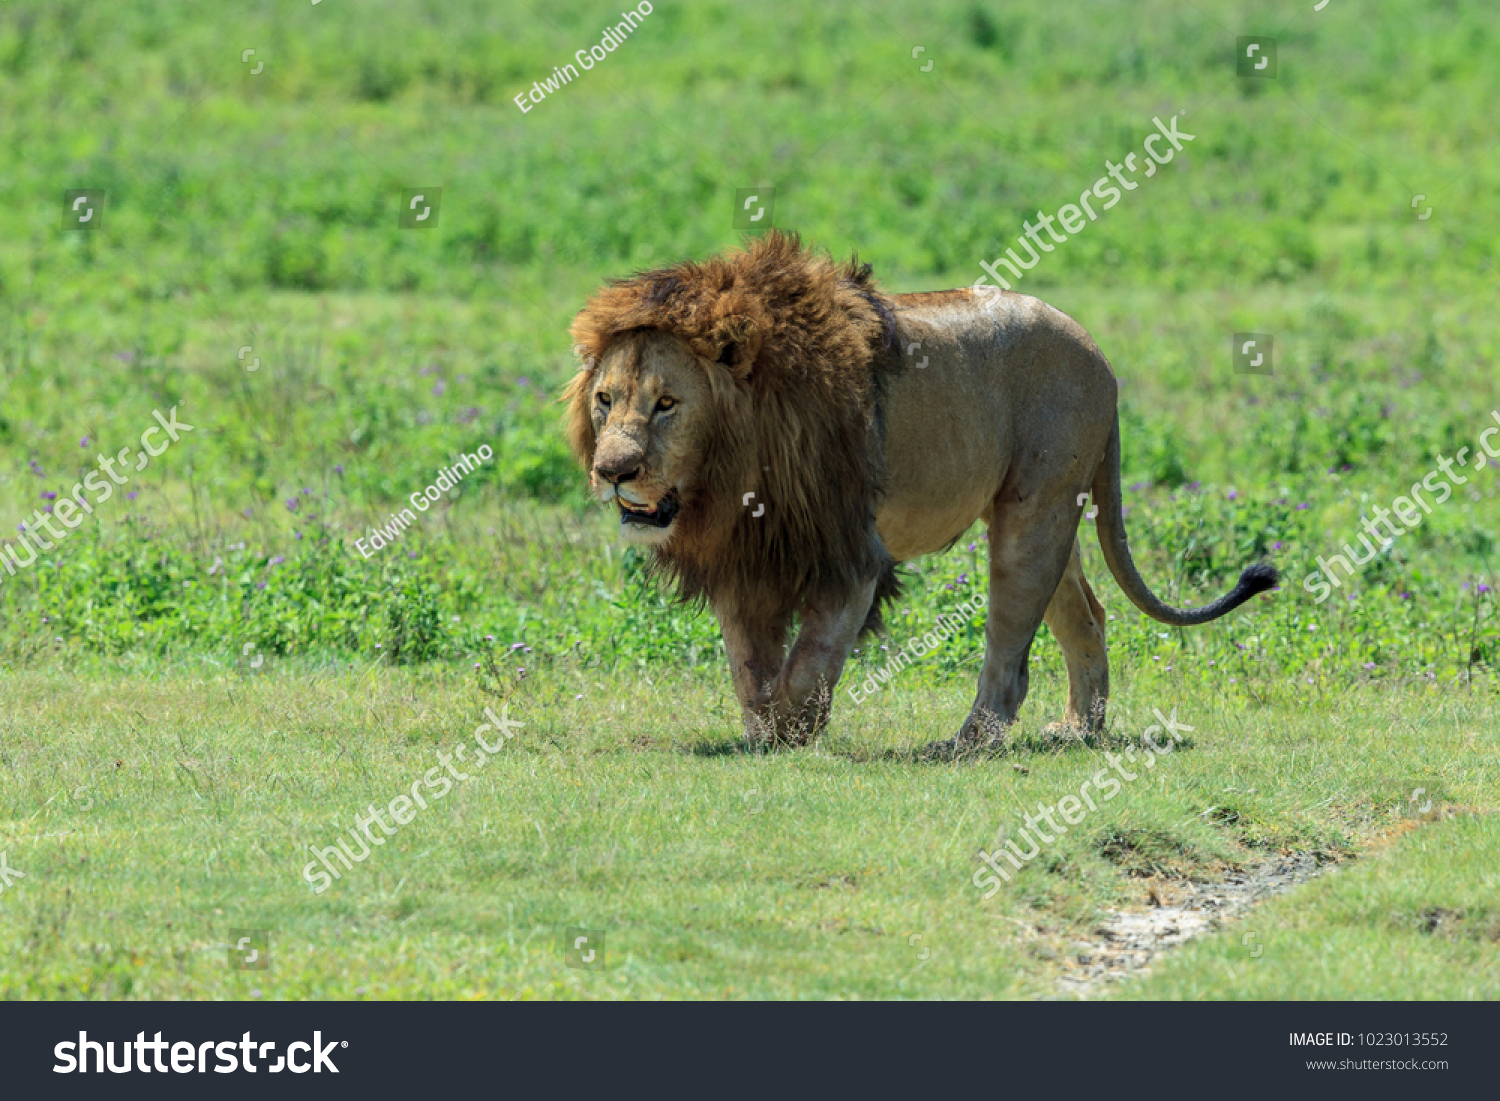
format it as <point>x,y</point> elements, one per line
<point>207,676</point>
<point>171,808</point>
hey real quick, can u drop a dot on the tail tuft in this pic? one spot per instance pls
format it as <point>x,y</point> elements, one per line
<point>1258,578</point>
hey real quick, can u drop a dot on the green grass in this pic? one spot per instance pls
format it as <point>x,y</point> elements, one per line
<point>259,212</point>
<point>1420,920</point>
<point>152,813</point>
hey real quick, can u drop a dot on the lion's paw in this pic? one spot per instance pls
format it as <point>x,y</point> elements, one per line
<point>958,746</point>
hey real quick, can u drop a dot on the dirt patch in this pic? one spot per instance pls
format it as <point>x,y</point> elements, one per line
<point>1126,942</point>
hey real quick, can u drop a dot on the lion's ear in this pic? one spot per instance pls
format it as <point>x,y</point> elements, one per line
<point>739,352</point>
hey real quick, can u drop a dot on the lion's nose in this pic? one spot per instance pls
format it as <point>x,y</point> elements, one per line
<point>617,471</point>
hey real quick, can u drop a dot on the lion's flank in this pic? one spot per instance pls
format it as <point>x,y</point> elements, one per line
<point>798,351</point>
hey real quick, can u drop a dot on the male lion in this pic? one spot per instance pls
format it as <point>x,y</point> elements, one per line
<point>781,433</point>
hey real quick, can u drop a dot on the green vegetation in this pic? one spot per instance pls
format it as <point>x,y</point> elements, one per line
<point>1417,921</point>
<point>151,814</point>
<point>251,222</point>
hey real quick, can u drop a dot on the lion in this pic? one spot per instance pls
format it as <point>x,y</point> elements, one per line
<point>781,433</point>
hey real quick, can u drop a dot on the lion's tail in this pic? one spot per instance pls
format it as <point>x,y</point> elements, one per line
<point>1111,526</point>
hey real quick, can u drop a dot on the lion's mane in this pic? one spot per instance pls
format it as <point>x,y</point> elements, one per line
<point>798,352</point>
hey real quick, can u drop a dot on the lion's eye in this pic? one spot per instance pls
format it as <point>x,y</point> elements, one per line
<point>602,398</point>
<point>663,404</point>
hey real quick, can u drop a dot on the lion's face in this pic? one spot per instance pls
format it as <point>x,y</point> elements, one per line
<point>651,404</point>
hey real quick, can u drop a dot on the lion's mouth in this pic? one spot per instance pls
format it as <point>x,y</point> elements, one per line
<point>660,515</point>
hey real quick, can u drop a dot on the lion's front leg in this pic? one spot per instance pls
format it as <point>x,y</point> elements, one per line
<point>798,702</point>
<point>756,646</point>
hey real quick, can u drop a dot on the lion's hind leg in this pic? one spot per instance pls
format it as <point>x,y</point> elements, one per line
<point>1076,618</point>
<point>1029,547</point>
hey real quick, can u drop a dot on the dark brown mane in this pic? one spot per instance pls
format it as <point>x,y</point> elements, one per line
<point>794,348</point>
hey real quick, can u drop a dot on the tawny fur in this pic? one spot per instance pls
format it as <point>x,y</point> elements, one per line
<point>796,399</point>
<point>871,429</point>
